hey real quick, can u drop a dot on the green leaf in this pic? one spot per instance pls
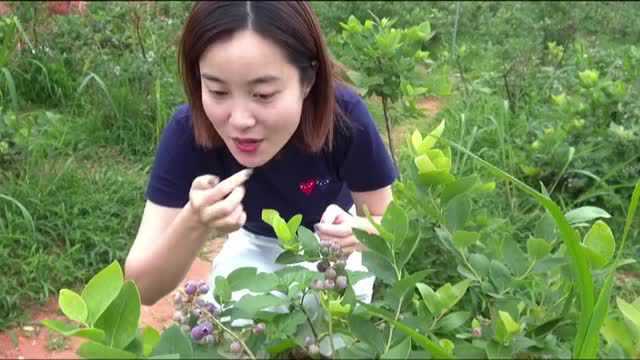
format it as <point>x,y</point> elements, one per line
<point>280,346</point>
<point>395,221</point>
<point>294,223</point>
<point>94,350</point>
<point>72,330</point>
<point>500,275</point>
<point>506,327</point>
<point>400,351</point>
<point>630,312</point>
<point>601,241</point>
<point>538,248</point>
<point>480,264</point>
<point>285,325</point>
<point>436,177</point>
<point>453,321</point>
<point>367,332</point>
<point>463,239</point>
<point>431,299</point>
<point>120,320</point>
<point>435,349</point>
<point>222,290</point>
<point>268,215</point>
<point>433,136</point>
<point>309,242</point>
<point>72,305</point>
<point>416,141</point>
<point>380,266</point>
<point>101,290</point>
<point>450,295</point>
<point>289,257</point>
<point>460,186</point>
<point>249,305</point>
<point>457,212</point>
<point>585,214</point>
<point>150,338</point>
<point>616,332</point>
<point>173,341</point>
<point>374,243</point>
<point>407,249</point>
<point>283,233</point>
<point>400,288</point>
<point>591,343</point>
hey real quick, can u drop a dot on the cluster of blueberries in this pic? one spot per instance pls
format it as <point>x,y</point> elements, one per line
<point>333,266</point>
<point>195,314</point>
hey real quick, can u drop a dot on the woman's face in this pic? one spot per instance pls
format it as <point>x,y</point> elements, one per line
<point>252,96</point>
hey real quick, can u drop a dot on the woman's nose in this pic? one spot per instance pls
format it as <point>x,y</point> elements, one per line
<point>241,119</point>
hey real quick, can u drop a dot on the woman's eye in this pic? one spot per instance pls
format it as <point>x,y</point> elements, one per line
<point>218,93</point>
<point>263,97</point>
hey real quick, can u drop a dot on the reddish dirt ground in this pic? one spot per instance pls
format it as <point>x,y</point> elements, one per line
<point>34,341</point>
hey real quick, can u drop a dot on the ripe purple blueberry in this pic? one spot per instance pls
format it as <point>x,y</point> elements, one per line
<point>197,333</point>
<point>323,265</point>
<point>190,288</point>
<point>203,289</point>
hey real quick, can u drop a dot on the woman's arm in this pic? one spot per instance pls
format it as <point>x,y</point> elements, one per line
<point>375,201</point>
<point>168,241</point>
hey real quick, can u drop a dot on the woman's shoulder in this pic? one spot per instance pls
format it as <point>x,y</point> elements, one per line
<point>347,97</point>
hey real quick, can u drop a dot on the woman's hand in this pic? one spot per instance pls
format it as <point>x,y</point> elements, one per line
<point>217,204</point>
<point>336,227</point>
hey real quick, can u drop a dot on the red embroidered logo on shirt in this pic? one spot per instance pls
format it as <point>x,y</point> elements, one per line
<point>308,186</point>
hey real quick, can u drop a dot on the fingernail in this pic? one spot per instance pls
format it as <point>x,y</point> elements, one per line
<point>248,172</point>
<point>214,181</point>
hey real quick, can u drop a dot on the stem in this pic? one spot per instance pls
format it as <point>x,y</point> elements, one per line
<point>333,348</point>
<point>387,123</point>
<point>393,327</point>
<point>528,271</point>
<point>228,331</point>
<point>313,330</point>
<point>397,315</point>
<point>136,22</point>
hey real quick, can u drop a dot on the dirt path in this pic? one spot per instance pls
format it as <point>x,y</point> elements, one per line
<point>34,341</point>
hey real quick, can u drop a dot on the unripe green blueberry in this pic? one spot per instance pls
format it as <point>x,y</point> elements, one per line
<point>340,265</point>
<point>329,284</point>
<point>308,340</point>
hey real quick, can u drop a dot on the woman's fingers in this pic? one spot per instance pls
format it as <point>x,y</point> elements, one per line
<point>223,208</point>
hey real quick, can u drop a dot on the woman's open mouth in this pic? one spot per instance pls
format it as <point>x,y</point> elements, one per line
<point>247,145</point>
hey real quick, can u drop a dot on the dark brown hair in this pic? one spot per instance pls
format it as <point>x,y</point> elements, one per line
<point>294,27</point>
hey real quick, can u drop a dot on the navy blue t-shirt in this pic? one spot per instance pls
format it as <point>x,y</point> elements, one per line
<point>295,182</point>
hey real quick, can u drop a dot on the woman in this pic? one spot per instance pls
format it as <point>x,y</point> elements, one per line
<point>268,125</point>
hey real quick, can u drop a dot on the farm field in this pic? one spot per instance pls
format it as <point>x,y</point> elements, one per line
<point>513,231</point>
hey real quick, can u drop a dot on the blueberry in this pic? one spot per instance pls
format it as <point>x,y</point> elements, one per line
<point>190,288</point>
<point>235,347</point>
<point>341,282</point>
<point>323,265</point>
<point>197,333</point>
<point>314,349</point>
<point>329,284</point>
<point>259,328</point>
<point>308,341</point>
<point>340,265</point>
<point>178,299</point>
<point>318,284</point>
<point>203,289</point>
<point>330,273</point>
<point>207,328</point>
